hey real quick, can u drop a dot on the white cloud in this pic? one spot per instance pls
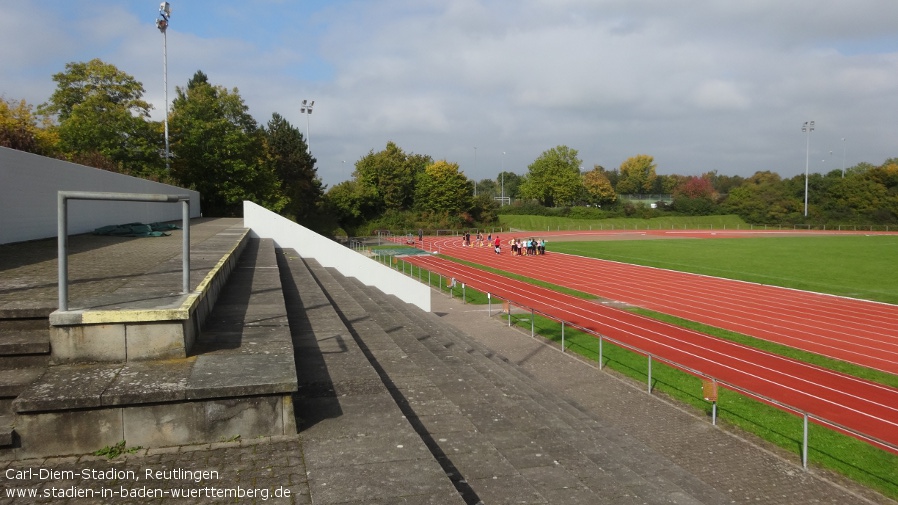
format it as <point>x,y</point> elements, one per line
<point>698,85</point>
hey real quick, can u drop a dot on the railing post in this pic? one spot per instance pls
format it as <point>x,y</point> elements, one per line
<point>562,336</point>
<point>532,324</point>
<point>62,234</point>
<point>600,353</point>
<point>804,444</point>
<point>650,375</point>
<point>185,246</point>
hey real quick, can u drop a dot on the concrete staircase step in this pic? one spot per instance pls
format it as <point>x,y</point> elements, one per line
<point>24,342</point>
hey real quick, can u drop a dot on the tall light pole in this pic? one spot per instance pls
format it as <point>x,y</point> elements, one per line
<point>307,110</point>
<point>503,179</point>
<point>475,171</point>
<point>162,24</point>
<point>808,127</point>
<point>843,157</point>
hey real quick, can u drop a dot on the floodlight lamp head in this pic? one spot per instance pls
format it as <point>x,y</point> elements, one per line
<point>165,9</point>
<point>304,102</point>
<point>313,103</point>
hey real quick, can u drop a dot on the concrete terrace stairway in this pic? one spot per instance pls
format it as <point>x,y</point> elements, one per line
<point>236,380</point>
<point>387,390</point>
<point>24,355</point>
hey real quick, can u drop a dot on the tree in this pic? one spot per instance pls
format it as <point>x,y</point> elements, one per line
<point>508,184</point>
<point>391,175</point>
<point>19,129</point>
<point>694,196</point>
<point>554,177</point>
<point>487,187</point>
<point>294,167</point>
<point>764,199</point>
<point>102,115</point>
<point>442,188</point>
<point>637,175</point>
<point>218,150</point>
<point>598,187</point>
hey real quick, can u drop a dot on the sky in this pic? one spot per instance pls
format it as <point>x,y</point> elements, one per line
<point>700,85</point>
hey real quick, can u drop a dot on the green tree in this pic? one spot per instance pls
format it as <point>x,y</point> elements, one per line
<point>598,187</point>
<point>219,150</point>
<point>487,187</point>
<point>637,175</point>
<point>554,177</point>
<point>508,184</point>
<point>390,175</point>
<point>442,188</point>
<point>764,199</point>
<point>102,115</point>
<point>295,169</point>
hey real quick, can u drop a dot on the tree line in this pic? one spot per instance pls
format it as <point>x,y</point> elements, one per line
<point>97,117</point>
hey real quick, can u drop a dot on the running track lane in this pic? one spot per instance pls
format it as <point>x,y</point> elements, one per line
<point>858,405</point>
<point>857,331</point>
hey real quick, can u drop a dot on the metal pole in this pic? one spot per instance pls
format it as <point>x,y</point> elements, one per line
<point>185,246</point>
<point>808,127</point>
<point>62,250</point>
<point>532,324</point>
<point>804,444</point>
<point>600,353</point>
<point>562,336</point>
<point>165,84</point>
<point>650,375</point>
<point>714,413</point>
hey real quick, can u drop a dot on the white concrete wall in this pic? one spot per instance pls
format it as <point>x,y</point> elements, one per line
<point>29,184</point>
<point>290,235</point>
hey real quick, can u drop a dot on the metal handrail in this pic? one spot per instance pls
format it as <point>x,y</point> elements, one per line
<point>63,233</point>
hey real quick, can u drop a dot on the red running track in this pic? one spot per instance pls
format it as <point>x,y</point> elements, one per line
<point>838,400</point>
<point>857,331</point>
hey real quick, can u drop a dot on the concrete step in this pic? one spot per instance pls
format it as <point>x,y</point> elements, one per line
<point>24,355</point>
<point>24,342</point>
<point>534,429</point>
<point>352,429</point>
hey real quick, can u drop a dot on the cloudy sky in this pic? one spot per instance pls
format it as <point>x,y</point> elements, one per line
<point>490,84</point>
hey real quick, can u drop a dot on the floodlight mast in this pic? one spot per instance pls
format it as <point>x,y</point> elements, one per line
<point>808,127</point>
<point>162,24</point>
<point>307,110</point>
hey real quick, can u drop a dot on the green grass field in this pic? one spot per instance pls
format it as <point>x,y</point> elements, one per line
<point>859,266</point>
<point>538,223</point>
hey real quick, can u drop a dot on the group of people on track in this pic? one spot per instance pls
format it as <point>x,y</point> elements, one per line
<point>527,247</point>
<point>519,247</point>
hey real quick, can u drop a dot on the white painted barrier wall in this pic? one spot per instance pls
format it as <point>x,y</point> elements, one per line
<point>29,184</point>
<point>290,235</point>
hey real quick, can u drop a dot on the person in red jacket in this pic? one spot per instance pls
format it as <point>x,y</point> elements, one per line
<point>498,244</point>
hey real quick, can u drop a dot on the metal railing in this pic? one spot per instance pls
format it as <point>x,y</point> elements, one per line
<point>62,230</point>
